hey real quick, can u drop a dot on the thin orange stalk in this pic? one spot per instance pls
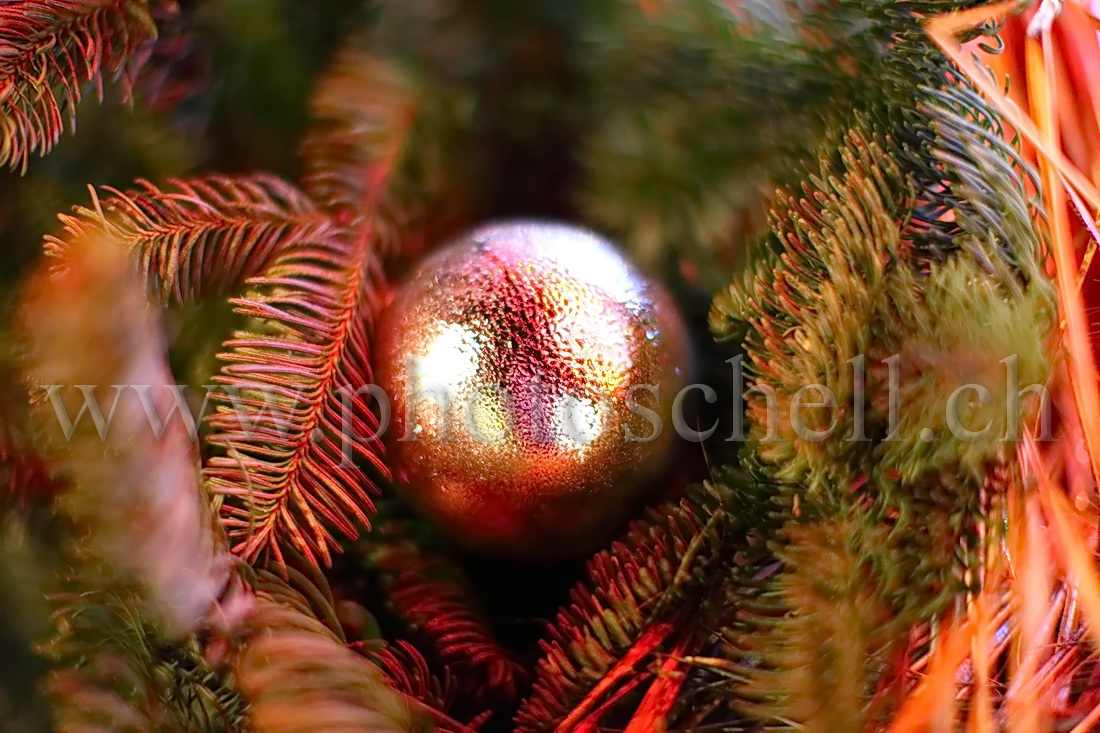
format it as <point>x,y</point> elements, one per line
<point>652,714</point>
<point>981,713</point>
<point>924,710</point>
<point>942,29</point>
<point>1032,586</point>
<point>1082,364</point>
<point>649,641</point>
<point>1071,550</point>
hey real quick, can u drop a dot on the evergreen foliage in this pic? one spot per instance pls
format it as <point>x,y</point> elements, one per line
<point>900,260</point>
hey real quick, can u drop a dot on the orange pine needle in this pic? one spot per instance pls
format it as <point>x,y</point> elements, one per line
<point>1072,551</point>
<point>981,615</point>
<point>1031,593</point>
<point>931,707</point>
<point>942,29</point>
<point>1057,170</point>
<point>650,640</point>
<point>651,716</point>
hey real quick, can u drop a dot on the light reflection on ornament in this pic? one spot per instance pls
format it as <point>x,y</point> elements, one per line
<point>508,358</point>
<point>451,357</point>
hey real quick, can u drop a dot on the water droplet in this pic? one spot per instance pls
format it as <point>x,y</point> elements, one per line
<point>651,334</point>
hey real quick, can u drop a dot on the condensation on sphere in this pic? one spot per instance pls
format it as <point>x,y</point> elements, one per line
<point>522,363</point>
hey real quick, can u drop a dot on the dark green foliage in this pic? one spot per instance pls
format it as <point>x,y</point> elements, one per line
<point>910,247</point>
<point>844,587</point>
<point>23,623</point>
<point>700,108</point>
<point>697,105</point>
<point>114,670</point>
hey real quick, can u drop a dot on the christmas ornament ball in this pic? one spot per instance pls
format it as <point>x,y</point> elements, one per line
<point>531,372</point>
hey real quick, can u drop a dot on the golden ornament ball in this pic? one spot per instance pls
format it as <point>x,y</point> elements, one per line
<point>531,372</point>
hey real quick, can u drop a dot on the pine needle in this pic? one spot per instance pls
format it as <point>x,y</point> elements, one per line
<point>1030,595</point>
<point>199,238</point>
<point>292,452</point>
<point>1072,551</point>
<point>300,678</point>
<point>652,714</point>
<point>981,718</point>
<point>931,707</point>
<point>50,52</point>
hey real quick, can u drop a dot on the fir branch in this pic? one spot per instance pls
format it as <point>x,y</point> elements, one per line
<point>289,470</point>
<point>914,239</point>
<point>136,492</point>
<point>408,671</point>
<point>49,52</point>
<point>297,417</point>
<point>355,110</point>
<point>299,677</point>
<point>818,665</point>
<point>849,286</point>
<point>112,668</point>
<point>612,624</point>
<point>203,239</point>
<point>427,593</point>
<point>700,108</point>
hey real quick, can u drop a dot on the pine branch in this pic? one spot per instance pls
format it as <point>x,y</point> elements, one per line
<point>289,470</point>
<point>914,240</point>
<point>620,616</point>
<point>427,593</point>
<point>133,567</point>
<point>769,83</point>
<point>136,496</point>
<point>299,677</point>
<point>203,239</point>
<point>850,285</point>
<point>409,673</point>
<point>300,420</point>
<point>355,110</point>
<point>818,665</point>
<point>50,51</point>
<point>113,669</point>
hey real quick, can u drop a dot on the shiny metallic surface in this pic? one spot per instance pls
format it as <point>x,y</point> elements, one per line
<point>521,363</point>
